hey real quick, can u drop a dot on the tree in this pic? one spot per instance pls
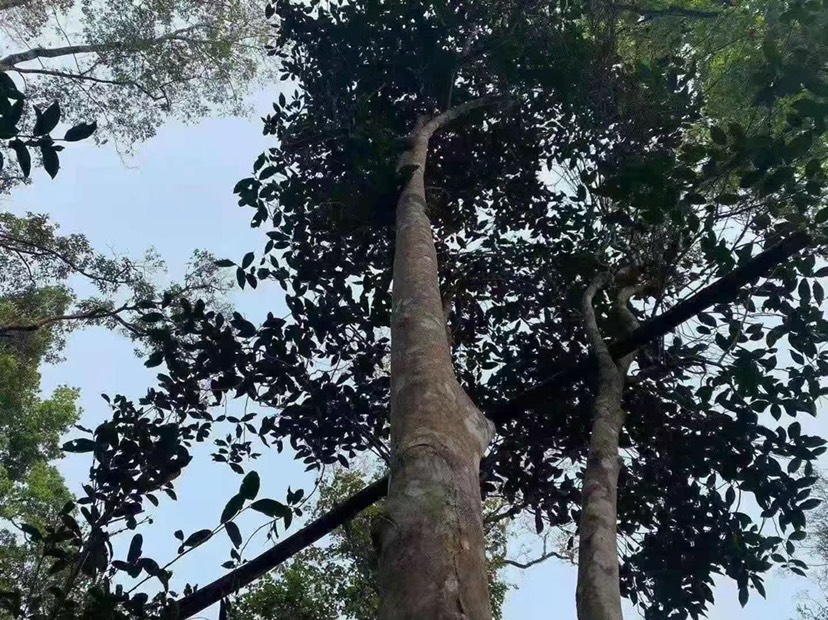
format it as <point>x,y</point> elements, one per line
<point>37,264</point>
<point>130,65</point>
<point>340,579</point>
<point>446,120</point>
<point>32,491</point>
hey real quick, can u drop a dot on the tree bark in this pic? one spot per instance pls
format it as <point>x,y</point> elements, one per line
<point>430,538</point>
<point>598,593</point>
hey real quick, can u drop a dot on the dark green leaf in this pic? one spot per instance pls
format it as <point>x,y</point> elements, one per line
<point>47,120</point>
<point>196,538</point>
<point>250,485</point>
<point>232,508</point>
<point>270,507</point>
<point>24,158</point>
<point>155,358</point>
<point>718,135</point>
<point>51,161</point>
<point>80,131</point>
<point>79,445</point>
<point>135,548</point>
<point>233,532</point>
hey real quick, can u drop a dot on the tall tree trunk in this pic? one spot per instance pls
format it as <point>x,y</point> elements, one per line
<point>598,594</point>
<point>432,562</point>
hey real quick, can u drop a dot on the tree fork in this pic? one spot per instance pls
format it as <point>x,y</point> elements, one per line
<point>724,289</point>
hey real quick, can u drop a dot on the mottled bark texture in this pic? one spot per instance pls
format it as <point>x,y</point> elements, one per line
<point>598,593</point>
<point>432,562</point>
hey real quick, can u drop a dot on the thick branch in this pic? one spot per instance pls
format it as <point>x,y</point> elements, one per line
<point>444,118</point>
<point>724,289</point>
<point>593,332</point>
<point>5,330</point>
<point>257,567</point>
<point>8,62</point>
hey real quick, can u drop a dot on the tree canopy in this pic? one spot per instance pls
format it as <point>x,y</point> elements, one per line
<point>130,65</point>
<point>566,147</point>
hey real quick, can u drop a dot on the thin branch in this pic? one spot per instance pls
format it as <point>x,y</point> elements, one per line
<point>537,560</point>
<point>36,325</point>
<point>89,78</point>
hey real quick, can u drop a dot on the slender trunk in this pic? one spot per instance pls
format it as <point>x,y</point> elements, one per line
<point>598,593</point>
<point>432,560</point>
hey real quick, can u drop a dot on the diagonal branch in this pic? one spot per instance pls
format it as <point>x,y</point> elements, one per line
<point>88,78</point>
<point>98,313</point>
<point>260,565</point>
<point>8,62</point>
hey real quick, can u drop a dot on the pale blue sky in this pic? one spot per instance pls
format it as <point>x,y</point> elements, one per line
<point>176,195</point>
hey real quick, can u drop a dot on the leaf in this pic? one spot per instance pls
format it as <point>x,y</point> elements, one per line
<point>179,534</point>
<point>240,277</point>
<point>821,216</point>
<point>233,532</point>
<point>47,120</point>
<point>135,548</point>
<point>743,595</point>
<point>154,359</point>
<point>250,485</point>
<point>224,262</point>
<point>247,260</point>
<point>196,538</point>
<point>51,161</point>
<point>232,507</point>
<point>718,135</point>
<point>81,131</point>
<point>31,530</point>
<point>24,158</point>
<point>798,535</point>
<point>270,507</point>
<point>810,504</point>
<point>706,319</point>
<point>152,317</point>
<point>79,445</point>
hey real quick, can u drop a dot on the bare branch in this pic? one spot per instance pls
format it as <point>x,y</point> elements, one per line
<point>537,560</point>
